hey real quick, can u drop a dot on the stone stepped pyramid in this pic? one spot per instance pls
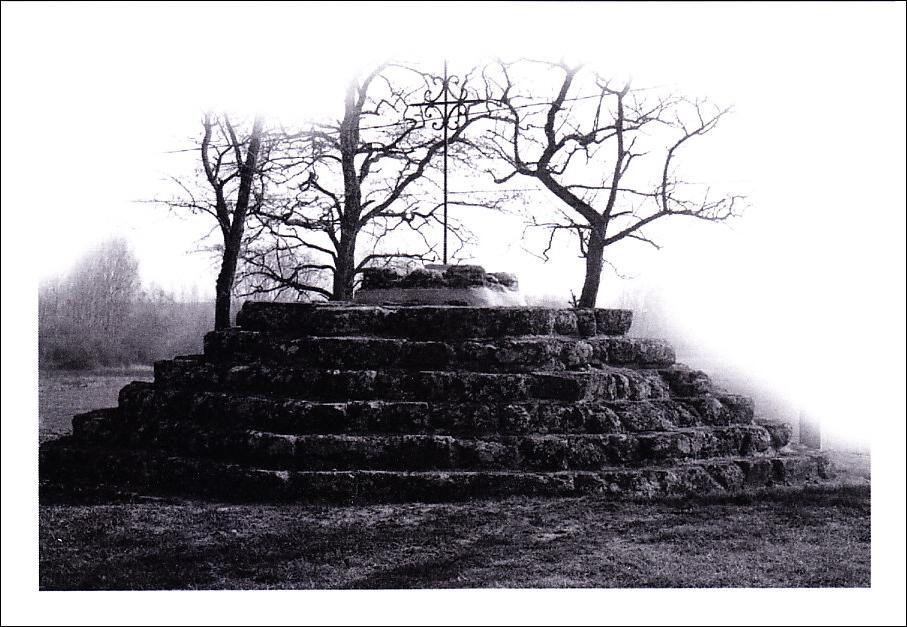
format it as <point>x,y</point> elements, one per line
<point>345,402</point>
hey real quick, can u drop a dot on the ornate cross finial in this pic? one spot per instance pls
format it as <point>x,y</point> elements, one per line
<point>448,105</point>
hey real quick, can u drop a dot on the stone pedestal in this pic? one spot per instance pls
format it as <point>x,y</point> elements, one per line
<point>368,403</point>
<point>465,285</point>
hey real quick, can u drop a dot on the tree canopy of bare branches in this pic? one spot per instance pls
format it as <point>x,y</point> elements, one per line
<point>231,185</point>
<point>608,152</point>
<point>370,175</point>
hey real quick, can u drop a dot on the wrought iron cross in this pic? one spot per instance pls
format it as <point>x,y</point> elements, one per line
<point>449,104</point>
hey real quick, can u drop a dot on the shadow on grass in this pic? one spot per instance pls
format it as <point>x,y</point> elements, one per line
<point>817,536</point>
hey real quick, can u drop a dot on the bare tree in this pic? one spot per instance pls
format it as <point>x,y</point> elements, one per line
<point>271,269</point>
<point>85,318</point>
<point>231,186</point>
<point>579,142</point>
<point>369,176</point>
<point>102,287</point>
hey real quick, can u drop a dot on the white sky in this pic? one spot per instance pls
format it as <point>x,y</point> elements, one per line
<point>806,291</point>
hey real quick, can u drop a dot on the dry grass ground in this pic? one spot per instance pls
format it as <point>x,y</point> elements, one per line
<point>819,536</point>
<point>788,538</point>
<point>62,393</point>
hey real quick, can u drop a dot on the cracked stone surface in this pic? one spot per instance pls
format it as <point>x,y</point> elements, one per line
<point>364,403</point>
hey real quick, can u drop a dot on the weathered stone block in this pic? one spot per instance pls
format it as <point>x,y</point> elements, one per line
<point>779,432</point>
<point>603,384</point>
<point>757,471</point>
<point>462,285</point>
<point>426,452</point>
<point>423,278</point>
<point>798,469</point>
<point>640,352</point>
<point>375,278</point>
<point>728,475</point>
<point>144,405</point>
<point>464,275</point>
<point>613,321</point>
<point>685,381</point>
<point>427,322</point>
<point>509,354</point>
<point>111,470</point>
<point>97,426</point>
<point>585,322</point>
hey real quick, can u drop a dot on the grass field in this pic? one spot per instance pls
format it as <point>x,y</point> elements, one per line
<point>62,393</point>
<point>819,537</point>
<point>785,537</point>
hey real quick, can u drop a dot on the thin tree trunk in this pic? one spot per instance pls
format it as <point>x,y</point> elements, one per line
<point>233,242</point>
<point>595,253</point>
<point>345,271</point>
<point>224,288</point>
<point>345,268</point>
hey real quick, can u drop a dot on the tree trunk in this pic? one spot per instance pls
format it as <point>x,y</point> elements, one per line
<point>345,270</point>
<point>595,252</point>
<point>233,240</point>
<point>345,266</point>
<point>224,288</point>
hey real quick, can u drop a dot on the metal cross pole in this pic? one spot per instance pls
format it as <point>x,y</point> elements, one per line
<point>439,110</point>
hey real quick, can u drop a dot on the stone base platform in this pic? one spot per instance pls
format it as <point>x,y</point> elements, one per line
<point>462,285</point>
<point>364,403</point>
<point>70,470</point>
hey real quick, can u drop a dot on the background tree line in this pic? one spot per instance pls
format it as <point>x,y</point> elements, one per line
<point>99,315</point>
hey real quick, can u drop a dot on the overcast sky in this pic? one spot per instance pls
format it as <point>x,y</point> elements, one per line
<point>804,291</point>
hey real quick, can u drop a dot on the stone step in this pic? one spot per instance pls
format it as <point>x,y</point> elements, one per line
<point>317,384</point>
<point>103,425</point>
<point>148,402</point>
<point>428,322</point>
<point>65,468</point>
<point>442,452</point>
<point>512,354</point>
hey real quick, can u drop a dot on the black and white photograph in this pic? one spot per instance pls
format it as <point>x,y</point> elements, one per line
<point>453,313</point>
